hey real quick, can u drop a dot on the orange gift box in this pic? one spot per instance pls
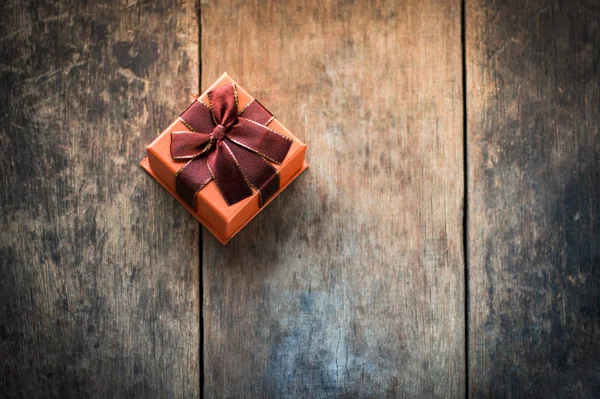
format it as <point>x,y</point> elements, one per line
<point>211,209</point>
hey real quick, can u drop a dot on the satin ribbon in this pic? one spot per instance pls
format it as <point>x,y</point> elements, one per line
<point>233,148</point>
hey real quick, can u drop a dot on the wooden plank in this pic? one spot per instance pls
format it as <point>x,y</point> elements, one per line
<point>351,282</point>
<point>99,265</point>
<point>534,216</point>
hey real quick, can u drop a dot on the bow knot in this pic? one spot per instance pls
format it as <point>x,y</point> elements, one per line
<point>219,132</point>
<point>232,147</point>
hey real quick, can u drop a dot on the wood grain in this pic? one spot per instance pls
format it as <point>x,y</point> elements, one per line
<point>534,215</point>
<point>350,284</point>
<point>98,264</point>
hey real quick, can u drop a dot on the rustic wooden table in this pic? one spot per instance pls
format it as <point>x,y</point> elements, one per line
<point>444,243</point>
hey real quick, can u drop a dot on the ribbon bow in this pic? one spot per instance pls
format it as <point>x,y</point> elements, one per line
<point>231,147</point>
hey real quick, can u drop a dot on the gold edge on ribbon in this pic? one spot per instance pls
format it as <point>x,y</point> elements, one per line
<point>183,158</point>
<point>263,157</point>
<point>267,162</point>
<point>246,106</point>
<point>208,145</point>
<point>278,175</point>
<point>182,168</point>
<point>186,125</point>
<point>248,182</point>
<point>216,182</point>
<point>263,107</point>
<point>203,103</point>
<point>201,187</point>
<point>270,113</point>
<point>209,106</point>
<point>235,95</point>
<point>268,128</point>
<point>255,151</point>
<point>206,148</point>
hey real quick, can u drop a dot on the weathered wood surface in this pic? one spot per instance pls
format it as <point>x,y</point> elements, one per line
<point>98,264</point>
<point>534,194</point>
<point>350,284</point>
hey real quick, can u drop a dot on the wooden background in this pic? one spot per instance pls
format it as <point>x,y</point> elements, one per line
<point>445,241</point>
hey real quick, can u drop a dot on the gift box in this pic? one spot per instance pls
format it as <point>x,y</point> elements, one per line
<point>225,157</point>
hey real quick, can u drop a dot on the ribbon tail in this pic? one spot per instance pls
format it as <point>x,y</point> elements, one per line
<point>259,172</point>
<point>227,174</point>
<point>260,139</point>
<point>192,178</point>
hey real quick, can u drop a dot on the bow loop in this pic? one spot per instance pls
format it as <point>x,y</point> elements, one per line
<point>188,145</point>
<point>224,103</point>
<point>230,146</point>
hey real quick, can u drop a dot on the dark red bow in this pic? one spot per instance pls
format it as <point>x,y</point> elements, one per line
<point>231,147</point>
